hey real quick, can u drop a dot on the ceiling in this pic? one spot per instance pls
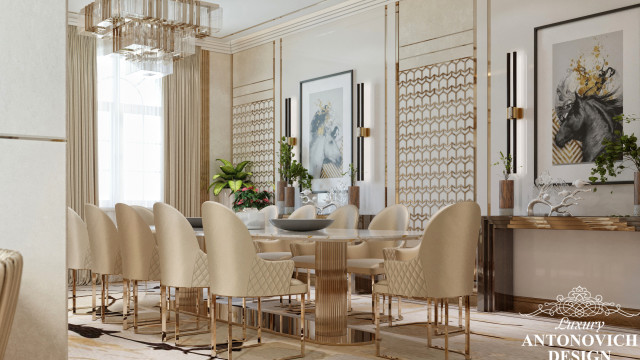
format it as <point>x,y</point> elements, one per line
<point>242,17</point>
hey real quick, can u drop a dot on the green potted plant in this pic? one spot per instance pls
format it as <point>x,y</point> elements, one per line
<point>506,185</point>
<point>354,191</point>
<point>230,177</point>
<point>620,153</point>
<point>291,171</point>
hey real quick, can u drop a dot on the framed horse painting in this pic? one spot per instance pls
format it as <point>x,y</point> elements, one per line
<point>326,111</point>
<point>587,71</point>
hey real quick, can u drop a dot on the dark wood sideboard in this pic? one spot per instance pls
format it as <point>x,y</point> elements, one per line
<point>495,250</point>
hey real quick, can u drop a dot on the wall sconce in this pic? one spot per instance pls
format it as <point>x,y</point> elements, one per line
<point>513,111</point>
<point>287,123</point>
<point>362,131</point>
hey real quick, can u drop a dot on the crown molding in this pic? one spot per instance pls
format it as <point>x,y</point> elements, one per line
<point>336,12</point>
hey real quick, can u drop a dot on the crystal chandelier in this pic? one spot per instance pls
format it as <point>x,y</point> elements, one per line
<point>152,34</point>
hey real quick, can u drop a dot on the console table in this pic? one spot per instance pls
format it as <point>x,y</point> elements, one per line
<point>495,250</point>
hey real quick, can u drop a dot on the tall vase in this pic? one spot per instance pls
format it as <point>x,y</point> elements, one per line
<point>226,198</point>
<point>506,197</point>
<point>636,193</point>
<point>281,185</point>
<point>289,199</point>
<point>354,196</point>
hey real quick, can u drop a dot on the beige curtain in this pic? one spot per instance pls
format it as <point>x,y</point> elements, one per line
<point>182,102</point>
<point>82,179</point>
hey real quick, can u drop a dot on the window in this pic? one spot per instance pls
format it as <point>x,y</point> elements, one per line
<point>130,136</point>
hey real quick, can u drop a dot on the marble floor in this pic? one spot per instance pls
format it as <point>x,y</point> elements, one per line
<point>494,336</point>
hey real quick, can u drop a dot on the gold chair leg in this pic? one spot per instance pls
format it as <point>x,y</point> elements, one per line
<point>309,284</point>
<point>163,311</point>
<point>177,310</point>
<point>102,307</point>
<point>260,319</point>
<point>389,308</point>
<point>436,303</point>
<point>230,327</point>
<point>73,290</point>
<point>430,323</point>
<point>209,307</point>
<point>399,308</point>
<point>460,311</point>
<point>467,328</point>
<point>94,279</point>
<point>244,319</point>
<point>198,297</point>
<point>446,329</point>
<point>214,313</point>
<point>373,280</point>
<point>349,276</point>
<point>376,318</point>
<point>302,335</point>
<point>125,303</point>
<point>135,306</point>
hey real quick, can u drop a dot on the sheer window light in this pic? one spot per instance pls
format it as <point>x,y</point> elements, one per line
<point>130,136</point>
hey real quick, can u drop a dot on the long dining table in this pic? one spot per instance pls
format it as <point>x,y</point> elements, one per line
<point>331,272</point>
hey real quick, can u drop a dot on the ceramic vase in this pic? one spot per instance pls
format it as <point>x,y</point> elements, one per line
<point>354,196</point>
<point>289,199</point>
<point>281,185</point>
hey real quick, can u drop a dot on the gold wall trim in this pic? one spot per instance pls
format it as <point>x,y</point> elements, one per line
<point>253,93</point>
<point>253,83</point>
<point>204,126</point>
<point>488,107</point>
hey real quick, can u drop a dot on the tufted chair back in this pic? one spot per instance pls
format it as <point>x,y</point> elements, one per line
<point>345,217</point>
<point>140,256</point>
<point>104,240</point>
<point>10,276</point>
<point>78,247</point>
<point>145,213</point>
<point>180,255</point>
<point>304,212</point>
<point>448,250</point>
<point>394,217</point>
<point>270,212</point>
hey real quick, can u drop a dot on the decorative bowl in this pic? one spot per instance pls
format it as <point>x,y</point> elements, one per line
<point>301,224</point>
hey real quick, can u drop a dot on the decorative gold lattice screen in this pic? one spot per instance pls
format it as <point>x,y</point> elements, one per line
<point>253,139</point>
<point>435,137</point>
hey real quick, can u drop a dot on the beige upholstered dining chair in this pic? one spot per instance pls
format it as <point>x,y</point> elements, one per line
<point>235,270</point>
<point>270,212</point>
<point>345,217</point>
<point>280,249</point>
<point>304,212</point>
<point>441,267</point>
<point>366,258</point>
<point>140,257</point>
<point>105,252</point>
<point>182,263</point>
<point>10,277</point>
<point>145,213</point>
<point>78,250</point>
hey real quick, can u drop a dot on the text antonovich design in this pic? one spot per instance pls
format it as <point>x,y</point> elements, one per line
<point>435,137</point>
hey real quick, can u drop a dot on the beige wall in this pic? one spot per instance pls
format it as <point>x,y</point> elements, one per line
<point>220,83</point>
<point>32,179</point>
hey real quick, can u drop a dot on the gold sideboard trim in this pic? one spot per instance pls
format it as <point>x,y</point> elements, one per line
<point>571,223</point>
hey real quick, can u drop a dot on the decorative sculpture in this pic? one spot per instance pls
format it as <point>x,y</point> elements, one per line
<point>569,198</point>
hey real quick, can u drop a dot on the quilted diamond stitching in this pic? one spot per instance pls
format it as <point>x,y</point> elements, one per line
<point>200,276</point>
<point>154,266</point>
<point>406,278</point>
<point>88,259</point>
<point>269,277</point>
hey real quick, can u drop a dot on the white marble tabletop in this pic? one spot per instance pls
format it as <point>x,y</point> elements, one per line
<point>331,235</point>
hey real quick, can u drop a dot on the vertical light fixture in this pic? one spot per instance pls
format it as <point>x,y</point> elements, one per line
<point>287,122</point>
<point>513,111</point>
<point>361,133</point>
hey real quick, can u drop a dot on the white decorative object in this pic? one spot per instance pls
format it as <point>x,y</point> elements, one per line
<point>569,198</point>
<point>252,218</point>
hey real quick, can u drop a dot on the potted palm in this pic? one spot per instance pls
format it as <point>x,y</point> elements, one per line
<point>286,156</point>
<point>229,180</point>
<point>505,185</point>
<point>620,153</point>
<point>354,191</point>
